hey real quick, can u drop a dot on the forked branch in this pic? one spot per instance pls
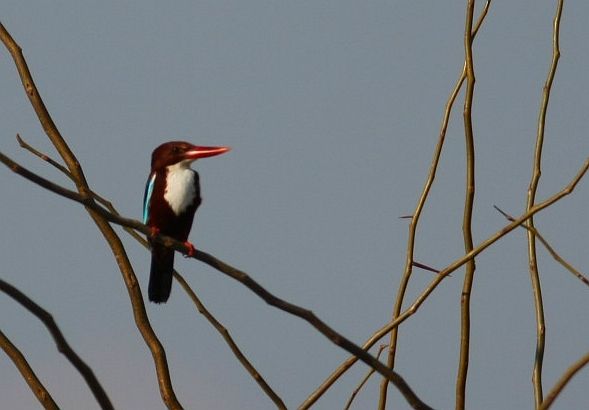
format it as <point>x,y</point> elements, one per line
<point>62,345</point>
<point>114,242</point>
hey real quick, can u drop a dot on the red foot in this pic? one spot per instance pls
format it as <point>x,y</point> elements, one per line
<point>190,248</point>
<point>153,231</point>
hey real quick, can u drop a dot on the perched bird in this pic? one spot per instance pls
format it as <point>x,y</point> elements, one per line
<point>172,195</point>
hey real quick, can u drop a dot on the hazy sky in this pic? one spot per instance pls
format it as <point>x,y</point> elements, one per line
<point>332,109</point>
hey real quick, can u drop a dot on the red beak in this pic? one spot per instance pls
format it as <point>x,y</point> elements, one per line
<point>197,152</point>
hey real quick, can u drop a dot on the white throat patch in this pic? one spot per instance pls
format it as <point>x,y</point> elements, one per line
<point>180,190</point>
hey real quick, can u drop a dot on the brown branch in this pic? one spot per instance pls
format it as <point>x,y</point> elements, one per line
<point>372,340</point>
<point>39,106</point>
<point>114,242</point>
<point>44,157</point>
<point>220,328</point>
<point>416,215</point>
<point>27,373</point>
<point>60,341</point>
<point>232,345</point>
<point>364,380</point>
<point>195,299</point>
<point>531,197</point>
<point>563,381</point>
<point>318,324</point>
<point>296,310</point>
<point>549,248</point>
<point>470,266</point>
<point>212,320</point>
<point>234,273</point>
<point>485,244</point>
<point>425,267</point>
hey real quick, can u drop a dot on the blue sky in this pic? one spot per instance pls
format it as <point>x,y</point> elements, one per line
<point>332,110</point>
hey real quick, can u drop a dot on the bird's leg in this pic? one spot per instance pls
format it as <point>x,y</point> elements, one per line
<point>190,249</point>
<point>154,231</point>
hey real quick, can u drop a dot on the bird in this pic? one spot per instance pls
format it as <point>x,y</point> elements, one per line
<point>172,195</point>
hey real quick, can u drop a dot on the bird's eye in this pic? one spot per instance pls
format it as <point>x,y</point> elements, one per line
<point>176,149</point>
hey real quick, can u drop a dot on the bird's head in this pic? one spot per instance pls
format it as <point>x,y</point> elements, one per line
<point>174,152</point>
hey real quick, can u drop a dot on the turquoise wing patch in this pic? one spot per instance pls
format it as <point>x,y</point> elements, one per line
<point>147,197</point>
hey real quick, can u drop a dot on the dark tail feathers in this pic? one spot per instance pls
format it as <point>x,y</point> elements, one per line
<point>160,276</point>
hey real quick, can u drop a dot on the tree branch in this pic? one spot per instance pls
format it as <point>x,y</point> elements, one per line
<point>531,198</point>
<point>236,274</point>
<point>563,381</point>
<point>443,273</point>
<point>549,248</point>
<point>363,381</point>
<point>61,343</point>
<point>409,262</point>
<point>27,373</point>
<point>139,314</point>
<point>470,266</point>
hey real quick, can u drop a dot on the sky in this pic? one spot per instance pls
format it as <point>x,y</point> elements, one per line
<point>332,110</point>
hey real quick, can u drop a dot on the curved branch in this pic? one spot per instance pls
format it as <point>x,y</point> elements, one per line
<point>531,198</point>
<point>549,248</point>
<point>379,334</point>
<point>27,373</point>
<point>39,106</point>
<point>563,381</point>
<point>467,217</point>
<point>62,344</point>
<point>232,345</point>
<point>363,381</point>
<point>195,299</point>
<point>114,242</point>
<point>409,262</point>
<point>228,270</point>
<point>294,309</point>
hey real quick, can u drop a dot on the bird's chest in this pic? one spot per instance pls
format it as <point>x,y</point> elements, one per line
<point>180,191</point>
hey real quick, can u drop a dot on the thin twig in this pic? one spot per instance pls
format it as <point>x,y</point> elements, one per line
<point>549,248</point>
<point>531,197</point>
<point>372,340</point>
<point>229,340</point>
<point>27,373</point>
<point>415,221</point>
<point>230,271</point>
<point>196,300</point>
<point>44,157</point>
<point>470,266</point>
<point>425,267</point>
<point>563,381</point>
<point>263,293</point>
<point>139,314</point>
<point>364,380</point>
<point>60,341</point>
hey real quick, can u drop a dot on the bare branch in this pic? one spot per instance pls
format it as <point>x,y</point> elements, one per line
<point>199,305</point>
<point>425,267</point>
<point>417,213</point>
<point>114,242</point>
<point>236,274</point>
<point>39,106</point>
<point>443,273</point>
<point>467,217</point>
<point>549,248</point>
<point>364,380</point>
<point>229,340</point>
<point>27,373</point>
<point>294,309</point>
<point>563,381</point>
<point>531,198</point>
<point>62,344</point>
<point>44,157</point>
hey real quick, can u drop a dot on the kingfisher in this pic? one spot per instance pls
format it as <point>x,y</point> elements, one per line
<point>172,195</point>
